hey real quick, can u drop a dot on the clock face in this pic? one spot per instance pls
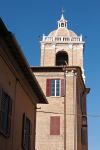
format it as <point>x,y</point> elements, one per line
<point>62,24</point>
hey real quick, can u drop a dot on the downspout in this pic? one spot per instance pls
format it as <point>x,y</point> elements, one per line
<point>64,69</point>
<point>75,109</point>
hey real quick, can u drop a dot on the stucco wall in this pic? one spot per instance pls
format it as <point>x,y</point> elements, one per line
<point>21,103</point>
<point>55,107</point>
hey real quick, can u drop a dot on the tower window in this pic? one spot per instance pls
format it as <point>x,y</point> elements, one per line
<point>61,58</point>
<point>84,121</point>
<point>55,87</point>
<point>62,24</point>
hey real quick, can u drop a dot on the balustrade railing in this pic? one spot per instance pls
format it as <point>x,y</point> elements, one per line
<point>62,39</point>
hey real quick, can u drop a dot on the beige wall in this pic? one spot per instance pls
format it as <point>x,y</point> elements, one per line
<point>44,140</point>
<point>74,88</point>
<point>21,103</point>
<point>74,51</point>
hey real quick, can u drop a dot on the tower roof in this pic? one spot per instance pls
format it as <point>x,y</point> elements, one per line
<point>62,29</point>
<point>62,32</point>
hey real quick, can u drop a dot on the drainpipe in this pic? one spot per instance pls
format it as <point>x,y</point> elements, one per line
<point>64,69</point>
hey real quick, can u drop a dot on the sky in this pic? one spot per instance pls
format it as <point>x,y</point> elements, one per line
<point>28,20</point>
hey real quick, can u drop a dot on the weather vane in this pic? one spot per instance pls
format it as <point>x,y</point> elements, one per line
<point>62,11</point>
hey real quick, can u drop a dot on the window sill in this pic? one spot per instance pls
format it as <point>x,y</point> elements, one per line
<point>55,96</point>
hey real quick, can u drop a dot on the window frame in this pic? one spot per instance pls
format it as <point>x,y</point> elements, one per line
<point>61,87</point>
<point>26,136</point>
<point>55,88</point>
<point>5,113</point>
<point>62,24</point>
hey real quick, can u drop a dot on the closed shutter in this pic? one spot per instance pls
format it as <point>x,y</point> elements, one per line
<point>62,87</point>
<point>5,113</point>
<point>9,115</point>
<point>30,135</point>
<point>84,135</point>
<point>10,106</point>
<point>81,103</point>
<point>9,126</point>
<point>84,104</point>
<point>55,125</point>
<point>48,87</point>
<point>23,131</point>
<point>1,119</point>
<point>26,138</point>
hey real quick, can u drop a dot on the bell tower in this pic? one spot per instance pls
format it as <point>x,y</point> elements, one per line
<point>62,46</point>
<point>62,123</point>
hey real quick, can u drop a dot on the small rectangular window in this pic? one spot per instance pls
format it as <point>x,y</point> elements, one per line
<point>55,125</point>
<point>84,121</point>
<point>26,138</point>
<point>55,87</point>
<point>5,113</point>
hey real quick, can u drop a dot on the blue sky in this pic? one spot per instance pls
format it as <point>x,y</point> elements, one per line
<point>29,19</point>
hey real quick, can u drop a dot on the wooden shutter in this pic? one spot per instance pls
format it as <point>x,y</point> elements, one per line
<point>5,113</point>
<point>55,125</point>
<point>10,106</point>
<point>62,87</point>
<point>9,115</point>
<point>48,87</point>
<point>0,109</point>
<point>26,141</point>
<point>9,126</point>
<point>23,131</point>
<point>30,135</point>
<point>84,105</point>
<point>84,135</point>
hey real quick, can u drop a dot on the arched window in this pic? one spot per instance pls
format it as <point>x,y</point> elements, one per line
<point>61,58</point>
<point>62,24</point>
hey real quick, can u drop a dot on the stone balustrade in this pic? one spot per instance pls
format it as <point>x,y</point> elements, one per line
<point>64,39</point>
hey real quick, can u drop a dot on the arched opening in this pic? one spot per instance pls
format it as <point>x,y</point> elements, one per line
<point>61,58</point>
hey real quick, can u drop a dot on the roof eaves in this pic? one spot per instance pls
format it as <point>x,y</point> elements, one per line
<point>21,61</point>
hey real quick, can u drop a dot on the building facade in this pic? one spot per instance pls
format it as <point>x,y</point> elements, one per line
<point>62,124</point>
<point>19,95</point>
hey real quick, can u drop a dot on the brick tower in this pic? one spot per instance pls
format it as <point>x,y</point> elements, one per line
<point>62,123</point>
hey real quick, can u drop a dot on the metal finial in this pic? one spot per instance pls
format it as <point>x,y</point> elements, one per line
<point>62,11</point>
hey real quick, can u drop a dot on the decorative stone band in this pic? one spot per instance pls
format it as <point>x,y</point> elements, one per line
<point>62,39</point>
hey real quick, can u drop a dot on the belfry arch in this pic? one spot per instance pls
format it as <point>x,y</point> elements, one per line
<point>61,58</point>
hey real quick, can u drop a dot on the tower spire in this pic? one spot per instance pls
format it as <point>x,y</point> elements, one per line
<point>62,23</point>
<point>62,14</point>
